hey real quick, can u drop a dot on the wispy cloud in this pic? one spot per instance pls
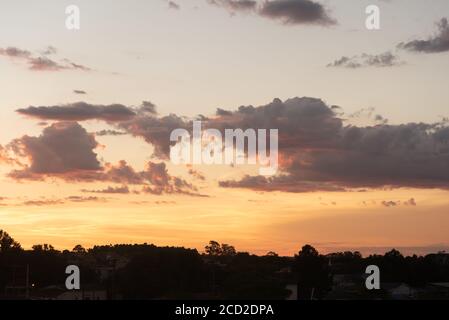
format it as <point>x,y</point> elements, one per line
<point>41,62</point>
<point>386,59</point>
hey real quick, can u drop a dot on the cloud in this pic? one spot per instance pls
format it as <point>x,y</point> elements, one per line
<point>161,182</point>
<point>196,174</point>
<point>79,111</point>
<point>41,62</point>
<point>173,5</point>
<point>42,203</point>
<point>79,92</point>
<point>44,64</point>
<point>85,199</point>
<point>75,66</point>
<point>390,203</point>
<point>435,44</point>
<point>5,157</point>
<point>288,12</point>
<point>148,107</point>
<point>410,202</point>
<point>14,52</point>
<point>318,152</point>
<point>62,148</point>
<point>53,202</point>
<point>66,151</point>
<point>154,130</point>
<point>386,59</point>
<point>235,5</point>
<point>109,190</point>
<point>284,183</point>
<point>222,112</point>
<point>291,12</point>
<point>49,51</point>
<point>110,133</point>
<point>302,122</point>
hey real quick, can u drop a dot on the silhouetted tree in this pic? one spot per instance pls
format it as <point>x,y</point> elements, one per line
<point>227,250</point>
<point>162,273</point>
<point>7,242</point>
<point>79,249</point>
<point>272,254</point>
<point>313,273</point>
<point>213,249</point>
<point>43,247</point>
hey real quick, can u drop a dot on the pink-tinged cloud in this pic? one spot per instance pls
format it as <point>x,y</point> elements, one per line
<point>41,62</point>
<point>63,147</point>
<point>65,150</point>
<point>317,149</point>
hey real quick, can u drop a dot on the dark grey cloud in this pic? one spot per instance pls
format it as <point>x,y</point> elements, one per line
<point>302,122</point>
<point>346,62</point>
<point>148,107</point>
<point>386,59</point>
<point>437,43</point>
<point>235,5</point>
<point>75,66</point>
<point>155,130</point>
<point>110,133</point>
<point>79,111</point>
<point>293,12</point>
<point>284,183</point>
<point>288,12</point>
<point>319,152</point>
<point>79,92</point>
<point>222,112</point>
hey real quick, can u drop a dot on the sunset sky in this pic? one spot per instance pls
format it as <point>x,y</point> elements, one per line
<point>362,117</point>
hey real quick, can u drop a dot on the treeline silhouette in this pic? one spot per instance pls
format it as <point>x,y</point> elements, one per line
<point>145,271</point>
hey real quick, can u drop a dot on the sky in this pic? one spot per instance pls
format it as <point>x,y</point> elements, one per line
<point>362,117</point>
